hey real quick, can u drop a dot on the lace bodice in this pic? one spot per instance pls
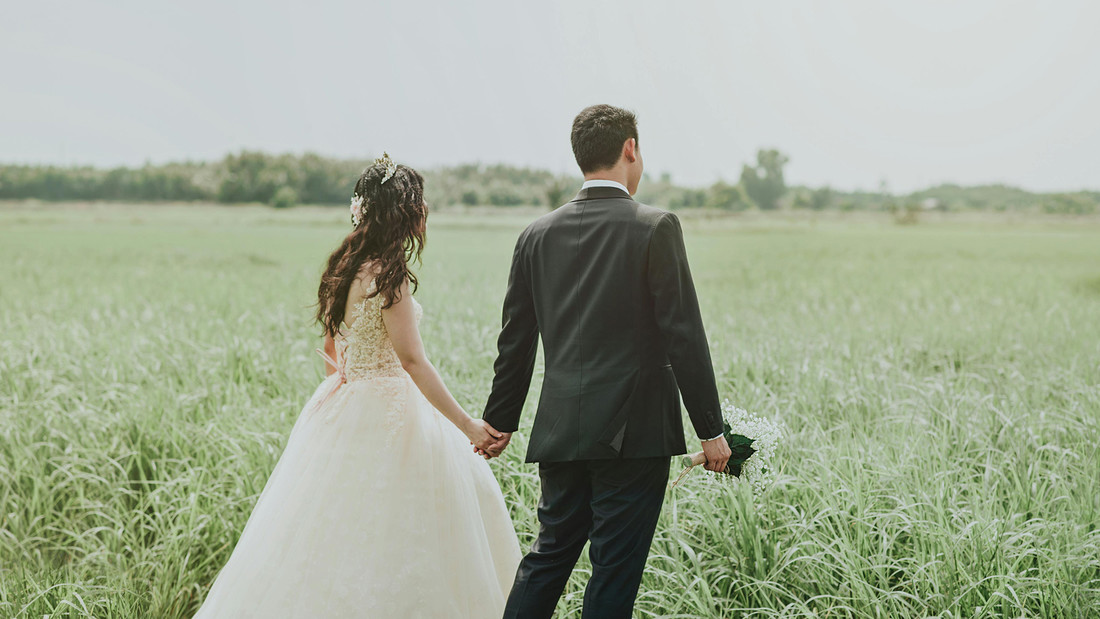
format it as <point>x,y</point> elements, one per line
<point>364,349</point>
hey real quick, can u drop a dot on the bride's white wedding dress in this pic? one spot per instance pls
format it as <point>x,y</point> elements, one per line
<point>377,508</point>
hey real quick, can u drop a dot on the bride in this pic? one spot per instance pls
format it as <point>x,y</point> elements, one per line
<point>378,507</point>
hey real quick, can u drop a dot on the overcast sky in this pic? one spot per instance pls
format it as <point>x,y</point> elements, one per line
<point>913,93</point>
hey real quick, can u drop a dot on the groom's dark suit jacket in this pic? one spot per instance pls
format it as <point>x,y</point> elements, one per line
<point>605,281</point>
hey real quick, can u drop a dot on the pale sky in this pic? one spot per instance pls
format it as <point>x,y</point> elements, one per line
<point>854,92</point>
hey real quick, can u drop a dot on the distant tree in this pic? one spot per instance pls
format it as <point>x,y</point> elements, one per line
<point>250,177</point>
<point>764,182</point>
<point>690,198</point>
<point>801,199</point>
<point>906,214</point>
<point>469,198</point>
<point>284,197</point>
<point>1070,204</point>
<point>557,192</point>
<point>505,196</point>
<point>727,197</point>
<point>821,198</point>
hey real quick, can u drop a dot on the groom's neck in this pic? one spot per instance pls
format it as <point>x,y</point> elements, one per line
<point>613,174</point>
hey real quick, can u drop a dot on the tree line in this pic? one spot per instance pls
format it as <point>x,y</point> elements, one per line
<point>285,180</point>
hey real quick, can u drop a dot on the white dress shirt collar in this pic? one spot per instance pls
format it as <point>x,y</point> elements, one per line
<point>599,182</point>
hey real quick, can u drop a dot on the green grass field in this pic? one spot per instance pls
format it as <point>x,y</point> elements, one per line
<point>941,385</point>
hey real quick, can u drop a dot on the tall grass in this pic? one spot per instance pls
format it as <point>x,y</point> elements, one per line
<point>941,384</point>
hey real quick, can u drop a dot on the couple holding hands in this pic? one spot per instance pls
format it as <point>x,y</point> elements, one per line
<point>378,508</point>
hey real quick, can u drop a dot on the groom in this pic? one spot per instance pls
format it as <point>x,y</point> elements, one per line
<point>605,281</point>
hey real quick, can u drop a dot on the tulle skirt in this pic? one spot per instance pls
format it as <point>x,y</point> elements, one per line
<point>378,507</point>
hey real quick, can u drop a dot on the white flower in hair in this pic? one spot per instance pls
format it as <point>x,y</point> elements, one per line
<point>356,209</point>
<point>391,167</point>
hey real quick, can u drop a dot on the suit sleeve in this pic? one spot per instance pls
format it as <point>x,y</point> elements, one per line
<point>516,347</point>
<point>676,308</point>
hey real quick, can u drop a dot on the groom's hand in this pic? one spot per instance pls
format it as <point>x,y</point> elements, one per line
<point>497,447</point>
<point>718,454</point>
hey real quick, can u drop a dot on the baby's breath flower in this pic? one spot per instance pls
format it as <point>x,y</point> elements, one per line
<point>758,470</point>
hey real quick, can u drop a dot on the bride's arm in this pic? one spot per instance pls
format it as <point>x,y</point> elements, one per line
<point>330,350</point>
<point>400,321</point>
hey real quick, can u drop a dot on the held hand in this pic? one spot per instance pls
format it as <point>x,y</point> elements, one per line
<point>481,434</point>
<point>497,448</point>
<point>718,454</point>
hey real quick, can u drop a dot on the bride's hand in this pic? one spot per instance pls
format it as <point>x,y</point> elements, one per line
<point>480,433</point>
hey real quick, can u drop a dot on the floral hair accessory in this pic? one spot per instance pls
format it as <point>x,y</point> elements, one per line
<point>358,202</point>
<point>391,167</point>
<point>356,210</point>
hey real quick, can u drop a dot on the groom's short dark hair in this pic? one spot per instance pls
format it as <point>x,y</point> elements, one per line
<point>598,135</point>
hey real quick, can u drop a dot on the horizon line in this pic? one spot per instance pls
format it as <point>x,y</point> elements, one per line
<point>653,175</point>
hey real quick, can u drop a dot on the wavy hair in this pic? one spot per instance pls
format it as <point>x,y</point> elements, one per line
<point>390,234</point>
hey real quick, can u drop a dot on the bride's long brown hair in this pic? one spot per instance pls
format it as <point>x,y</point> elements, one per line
<point>390,234</point>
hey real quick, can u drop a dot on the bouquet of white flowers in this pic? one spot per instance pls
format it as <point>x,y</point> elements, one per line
<point>753,440</point>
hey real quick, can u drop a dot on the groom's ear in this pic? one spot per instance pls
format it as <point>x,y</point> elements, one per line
<point>630,150</point>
